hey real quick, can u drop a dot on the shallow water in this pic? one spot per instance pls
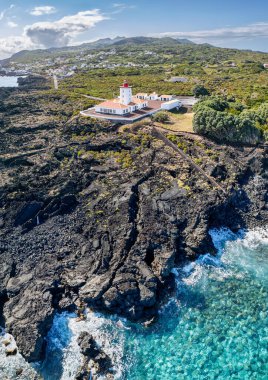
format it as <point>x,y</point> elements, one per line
<point>215,328</point>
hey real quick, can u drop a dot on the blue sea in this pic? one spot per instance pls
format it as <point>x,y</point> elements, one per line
<point>215,327</point>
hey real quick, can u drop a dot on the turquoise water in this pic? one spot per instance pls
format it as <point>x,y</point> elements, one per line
<point>216,327</point>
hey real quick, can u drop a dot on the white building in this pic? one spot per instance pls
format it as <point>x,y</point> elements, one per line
<point>127,105</point>
<point>154,96</point>
<point>124,104</point>
<point>165,98</point>
<point>174,103</point>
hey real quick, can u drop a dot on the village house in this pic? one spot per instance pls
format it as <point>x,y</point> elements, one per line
<point>178,79</point>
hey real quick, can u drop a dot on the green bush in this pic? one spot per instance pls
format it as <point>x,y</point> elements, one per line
<point>161,117</point>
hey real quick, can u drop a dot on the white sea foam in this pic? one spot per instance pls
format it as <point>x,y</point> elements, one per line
<point>10,364</point>
<point>247,250</point>
<point>249,253</point>
<point>62,341</point>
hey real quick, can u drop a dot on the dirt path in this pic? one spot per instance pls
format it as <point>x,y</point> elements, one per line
<point>157,133</point>
<point>93,97</point>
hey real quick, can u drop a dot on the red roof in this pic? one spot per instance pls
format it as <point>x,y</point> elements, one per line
<point>112,104</point>
<point>125,84</point>
<point>138,101</point>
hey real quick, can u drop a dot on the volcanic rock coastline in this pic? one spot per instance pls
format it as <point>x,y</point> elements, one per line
<point>92,213</point>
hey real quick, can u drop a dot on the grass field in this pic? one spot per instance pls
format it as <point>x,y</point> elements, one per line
<point>179,122</point>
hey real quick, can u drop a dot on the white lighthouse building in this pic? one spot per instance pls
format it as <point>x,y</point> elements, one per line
<point>125,93</point>
<point>125,104</point>
<point>129,107</point>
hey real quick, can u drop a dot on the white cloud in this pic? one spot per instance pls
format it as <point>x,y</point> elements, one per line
<point>51,34</point>
<point>14,44</point>
<point>61,32</point>
<point>120,7</point>
<point>12,24</point>
<point>241,32</point>
<point>43,10</point>
<point>3,13</point>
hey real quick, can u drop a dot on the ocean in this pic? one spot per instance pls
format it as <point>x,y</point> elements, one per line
<point>215,327</point>
<point>8,81</point>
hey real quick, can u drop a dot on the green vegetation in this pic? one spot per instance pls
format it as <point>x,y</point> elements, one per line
<point>228,72</point>
<point>161,117</point>
<point>236,81</point>
<point>199,91</point>
<point>215,117</point>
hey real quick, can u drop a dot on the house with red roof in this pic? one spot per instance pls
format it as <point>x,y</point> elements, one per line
<point>126,103</point>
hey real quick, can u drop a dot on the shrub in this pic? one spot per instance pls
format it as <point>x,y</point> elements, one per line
<point>161,117</point>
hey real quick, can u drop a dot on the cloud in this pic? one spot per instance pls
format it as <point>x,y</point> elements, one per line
<point>120,7</point>
<point>61,32</point>
<point>12,24</point>
<point>241,32</point>
<point>44,10</point>
<point>3,13</point>
<point>14,44</point>
<point>51,34</point>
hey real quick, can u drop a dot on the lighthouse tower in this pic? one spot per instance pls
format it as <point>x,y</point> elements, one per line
<point>125,93</point>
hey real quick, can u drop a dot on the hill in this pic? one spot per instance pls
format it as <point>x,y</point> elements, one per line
<point>32,55</point>
<point>152,41</point>
<point>29,55</point>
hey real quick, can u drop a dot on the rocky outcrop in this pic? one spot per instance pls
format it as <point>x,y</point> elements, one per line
<point>34,82</point>
<point>106,220</point>
<point>95,360</point>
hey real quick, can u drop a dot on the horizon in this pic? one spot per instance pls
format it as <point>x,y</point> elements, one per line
<point>48,24</point>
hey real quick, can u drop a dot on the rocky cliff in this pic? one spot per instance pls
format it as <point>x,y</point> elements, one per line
<point>89,212</point>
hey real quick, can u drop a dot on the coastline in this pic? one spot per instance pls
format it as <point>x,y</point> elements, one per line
<point>107,222</point>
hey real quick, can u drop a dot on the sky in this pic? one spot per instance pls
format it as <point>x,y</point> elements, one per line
<point>32,24</point>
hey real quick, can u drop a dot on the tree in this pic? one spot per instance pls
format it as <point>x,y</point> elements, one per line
<point>263,113</point>
<point>225,127</point>
<point>246,130</point>
<point>199,91</point>
<point>216,103</point>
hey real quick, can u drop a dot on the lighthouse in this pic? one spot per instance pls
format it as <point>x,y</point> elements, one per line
<point>125,93</point>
